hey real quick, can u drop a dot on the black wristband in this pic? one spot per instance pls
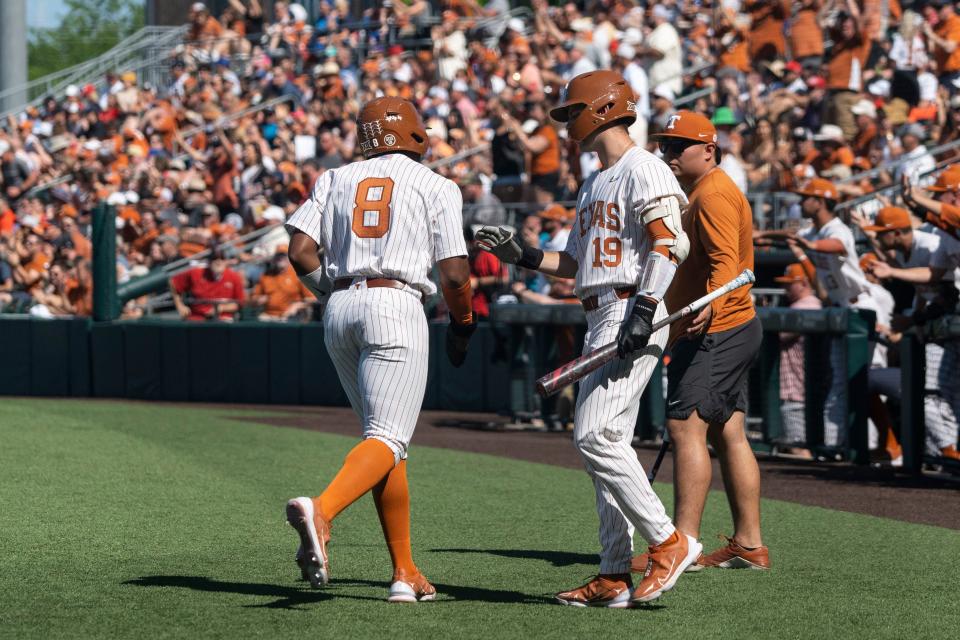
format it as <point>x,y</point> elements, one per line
<point>463,330</point>
<point>530,258</point>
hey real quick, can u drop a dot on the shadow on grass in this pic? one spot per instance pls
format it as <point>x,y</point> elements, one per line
<point>295,597</point>
<point>287,597</point>
<point>556,558</point>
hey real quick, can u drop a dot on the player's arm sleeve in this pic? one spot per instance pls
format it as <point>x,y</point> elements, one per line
<point>721,238</point>
<point>447,220</point>
<point>658,201</point>
<point>308,217</point>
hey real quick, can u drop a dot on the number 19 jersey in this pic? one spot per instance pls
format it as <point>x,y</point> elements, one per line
<point>386,217</point>
<point>609,240</point>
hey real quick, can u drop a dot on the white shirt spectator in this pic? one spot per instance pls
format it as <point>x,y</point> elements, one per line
<point>913,56</point>
<point>453,55</point>
<point>636,77</point>
<point>733,168</point>
<point>916,163</point>
<point>667,69</point>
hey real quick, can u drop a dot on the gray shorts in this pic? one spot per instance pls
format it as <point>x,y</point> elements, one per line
<point>709,373</point>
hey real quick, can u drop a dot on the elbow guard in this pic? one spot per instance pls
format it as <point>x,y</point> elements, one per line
<point>665,226</point>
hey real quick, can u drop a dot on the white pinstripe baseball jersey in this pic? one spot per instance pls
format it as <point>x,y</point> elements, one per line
<point>839,274</point>
<point>388,217</point>
<point>609,240</point>
<point>930,249</point>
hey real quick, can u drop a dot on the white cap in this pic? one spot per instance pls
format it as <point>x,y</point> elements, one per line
<point>234,220</point>
<point>132,197</point>
<point>198,6</point>
<point>436,91</point>
<point>92,145</point>
<point>864,108</point>
<point>632,36</point>
<point>515,24</point>
<point>879,88</point>
<point>298,12</point>
<point>459,85</point>
<point>661,11</point>
<point>116,198</point>
<point>663,91</point>
<point>72,91</point>
<point>274,214</point>
<point>829,132</point>
<point>626,52</point>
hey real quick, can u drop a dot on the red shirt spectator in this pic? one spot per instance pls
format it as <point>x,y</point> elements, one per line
<point>485,265</point>
<point>215,282</point>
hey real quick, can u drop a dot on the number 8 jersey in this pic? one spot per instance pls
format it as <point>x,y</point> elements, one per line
<point>609,240</point>
<point>386,217</point>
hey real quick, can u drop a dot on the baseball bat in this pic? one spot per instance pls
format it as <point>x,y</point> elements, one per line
<point>577,369</point>
<point>664,446</point>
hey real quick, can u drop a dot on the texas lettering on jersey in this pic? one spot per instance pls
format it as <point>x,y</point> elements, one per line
<point>609,241</point>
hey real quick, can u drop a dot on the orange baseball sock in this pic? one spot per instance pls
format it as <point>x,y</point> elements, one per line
<point>392,498</point>
<point>363,468</point>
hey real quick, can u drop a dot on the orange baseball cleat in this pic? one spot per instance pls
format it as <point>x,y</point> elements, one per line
<point>611,590</point>
<point>665,562</point>
<point>734,556</point>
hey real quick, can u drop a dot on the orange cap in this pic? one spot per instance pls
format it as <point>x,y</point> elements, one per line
<point>819,188</point>
<point>556,212</point>
<point>867,259</point>
<point>689,126</point>
<point>793,273</point>
<point>890,218</point>
<point>948,180</point>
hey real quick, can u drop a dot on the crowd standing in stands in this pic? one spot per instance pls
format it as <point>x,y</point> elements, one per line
<point>260,101</point>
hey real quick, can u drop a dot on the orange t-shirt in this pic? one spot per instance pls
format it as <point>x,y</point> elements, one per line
<point>282,290</point>
<point>840,62</point>
<point>547,161</point>
<point>950,216</point>
<point>806,36</point>
<point>949,30</point>
<point>719,223</point>
<point>766,26</point>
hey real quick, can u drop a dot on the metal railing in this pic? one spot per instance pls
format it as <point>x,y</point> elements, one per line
<point>142,52</point>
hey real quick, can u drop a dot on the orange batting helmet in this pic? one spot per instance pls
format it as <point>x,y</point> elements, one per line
<point>389,124</point>
<point>606,97</point>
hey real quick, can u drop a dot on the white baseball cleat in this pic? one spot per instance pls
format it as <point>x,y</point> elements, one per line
<point>405,588</point>
<point>312,528</point>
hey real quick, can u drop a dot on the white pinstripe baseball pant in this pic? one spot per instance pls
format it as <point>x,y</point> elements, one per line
<point>379,343</point>
<point>941,400</point>
<point>606,414</point>
<point>835,405</point>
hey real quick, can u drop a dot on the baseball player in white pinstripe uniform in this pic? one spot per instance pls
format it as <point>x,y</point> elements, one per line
<point>382,223</point>
<point>623,250</point>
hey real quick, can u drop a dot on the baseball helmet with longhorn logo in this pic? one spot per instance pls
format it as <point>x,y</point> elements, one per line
<point>605,97</point>
<point>386,125</point>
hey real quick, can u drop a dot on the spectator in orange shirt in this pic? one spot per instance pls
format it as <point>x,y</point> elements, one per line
<point>846,63</point>
<point>767,18</point>
<point>945,42</point>
<point>280,291</point>
<point>866,114</point>
<point>203,26</point>
<point>834,158</point>
<point>806,36</point>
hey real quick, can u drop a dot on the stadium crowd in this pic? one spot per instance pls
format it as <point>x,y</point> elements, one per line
<point>849,96</point>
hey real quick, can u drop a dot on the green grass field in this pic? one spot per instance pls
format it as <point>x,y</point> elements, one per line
<point>139,520</point>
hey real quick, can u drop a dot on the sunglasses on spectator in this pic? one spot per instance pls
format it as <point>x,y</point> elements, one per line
<point>676,146</point>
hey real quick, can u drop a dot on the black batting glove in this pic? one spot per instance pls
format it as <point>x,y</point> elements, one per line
<point>636,329</point>
<point>458,338</point>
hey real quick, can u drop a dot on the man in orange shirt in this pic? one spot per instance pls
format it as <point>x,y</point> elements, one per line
<point>712,353</point>
<point>945,41</point>
<point>279,289</point>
